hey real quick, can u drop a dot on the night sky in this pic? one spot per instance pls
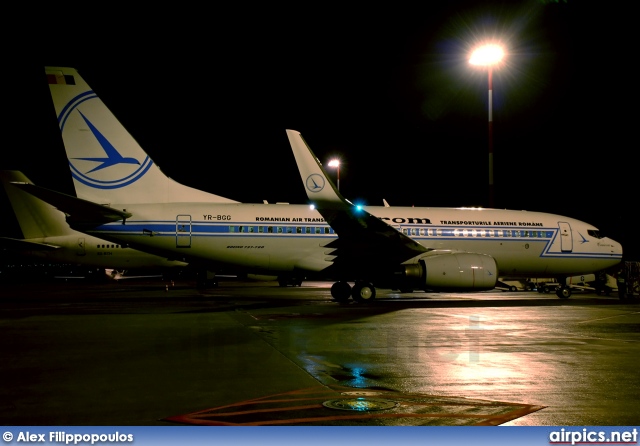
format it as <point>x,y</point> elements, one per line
<point>210,92</point>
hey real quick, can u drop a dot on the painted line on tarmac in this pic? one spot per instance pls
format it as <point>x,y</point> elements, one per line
<point>308,407</point>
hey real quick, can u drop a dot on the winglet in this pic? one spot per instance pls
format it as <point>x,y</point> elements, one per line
<point>320,189</point>
<point>360,228</point>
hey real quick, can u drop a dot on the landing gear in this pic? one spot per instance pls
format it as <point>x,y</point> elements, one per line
<point>341,291</point>
<point>363,292</point>
<point>563,292</point>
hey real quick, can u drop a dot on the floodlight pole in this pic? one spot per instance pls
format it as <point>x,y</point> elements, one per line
<point>491,187</point>
<point>487,56</point>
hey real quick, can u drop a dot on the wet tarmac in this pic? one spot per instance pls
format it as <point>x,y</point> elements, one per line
<point>252,353</point>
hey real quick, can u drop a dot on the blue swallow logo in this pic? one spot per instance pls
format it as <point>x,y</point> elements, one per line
<point>315,182</point>
<point>107,178</point>
<point>113,156</point>
<point>584,240</point>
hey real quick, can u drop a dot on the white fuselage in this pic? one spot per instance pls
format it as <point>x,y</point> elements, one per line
<point>278,237</point>
<point>90,251</point>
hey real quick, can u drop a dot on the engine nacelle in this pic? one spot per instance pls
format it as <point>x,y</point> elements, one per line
<point>450,272</point>
<point>460,271</point>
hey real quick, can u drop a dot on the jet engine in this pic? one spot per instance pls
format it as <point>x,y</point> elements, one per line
<point>450,272</point>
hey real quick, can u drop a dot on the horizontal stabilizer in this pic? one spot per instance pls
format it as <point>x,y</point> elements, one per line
<point>80,213</point>
<point>24,245</point>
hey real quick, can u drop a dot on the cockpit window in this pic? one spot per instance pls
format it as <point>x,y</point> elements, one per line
<point>594,233</point>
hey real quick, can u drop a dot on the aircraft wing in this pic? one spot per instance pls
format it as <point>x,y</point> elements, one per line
<point>364,239</point>
<point>81,214</point>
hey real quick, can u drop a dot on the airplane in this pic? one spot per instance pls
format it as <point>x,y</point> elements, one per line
<point>123,196</point>
<point>47,236</point>
<point>460,249</point>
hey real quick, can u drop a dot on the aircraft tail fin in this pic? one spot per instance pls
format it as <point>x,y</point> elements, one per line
<point>107,164</point>
<point>36,218</point>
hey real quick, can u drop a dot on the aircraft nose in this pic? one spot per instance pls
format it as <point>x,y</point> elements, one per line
<point>616,247</point>
<point>609,247</point>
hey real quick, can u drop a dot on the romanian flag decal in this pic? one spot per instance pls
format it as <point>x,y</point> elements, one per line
<point>59,78</point>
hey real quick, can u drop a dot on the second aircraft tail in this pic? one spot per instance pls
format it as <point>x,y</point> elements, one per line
<point>36,218</point>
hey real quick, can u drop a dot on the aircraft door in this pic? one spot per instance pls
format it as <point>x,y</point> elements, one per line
<point>183,231</point>
<point>81,249</point>
<point>566,238</point>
